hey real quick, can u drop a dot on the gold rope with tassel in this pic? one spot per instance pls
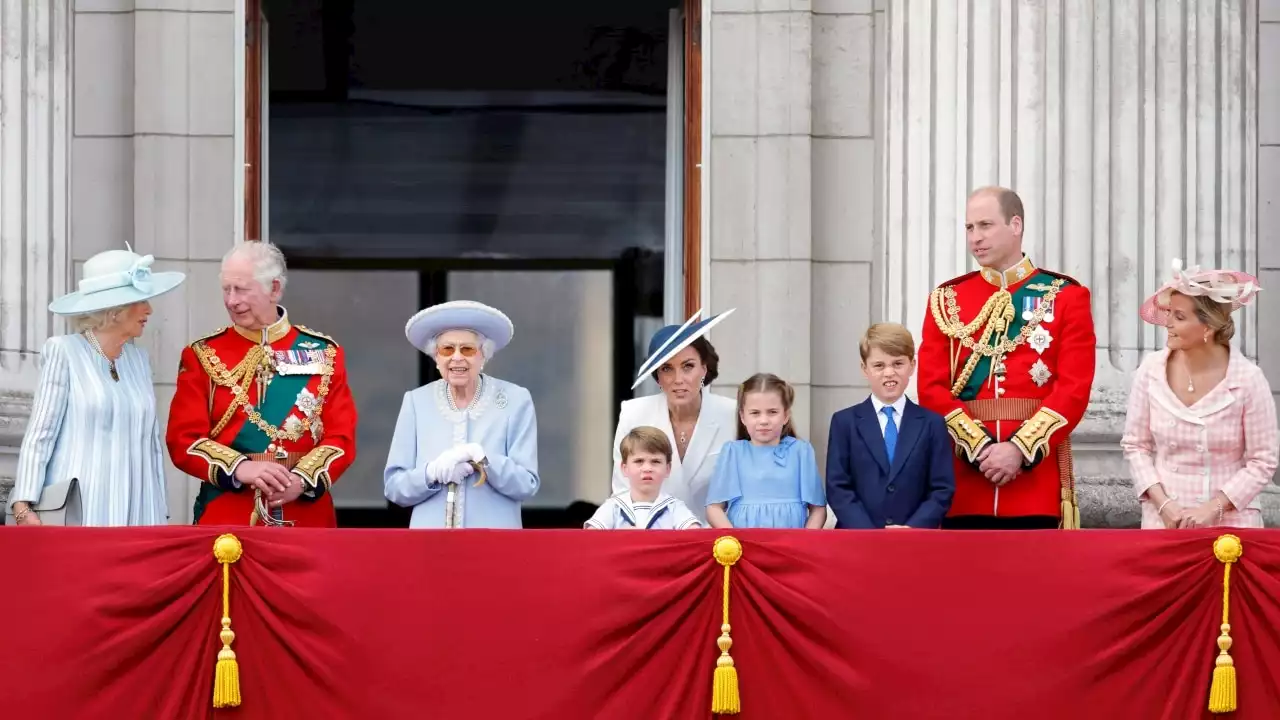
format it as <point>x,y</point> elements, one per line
<point>1222,692</point>
<point>724,688</point>
<point>226,677</point>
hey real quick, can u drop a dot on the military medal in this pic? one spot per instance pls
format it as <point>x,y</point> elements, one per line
<point>1040,373</point>
<point>1040,339</point>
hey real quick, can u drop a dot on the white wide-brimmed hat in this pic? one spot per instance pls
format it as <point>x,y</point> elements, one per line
<point>667,342</point>
<point>115,278</point>
<point>459,315</point>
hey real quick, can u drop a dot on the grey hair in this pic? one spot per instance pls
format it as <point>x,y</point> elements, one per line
<point>487,346</point>
<point>96,320</point>
<point>268,262</point>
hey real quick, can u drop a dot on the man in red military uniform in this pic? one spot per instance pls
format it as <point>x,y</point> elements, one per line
<point>262,414</point>
<point>1007,357</point>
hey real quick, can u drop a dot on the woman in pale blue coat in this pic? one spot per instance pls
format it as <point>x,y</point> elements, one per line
<point>465,449</point>
<point>92,453</point>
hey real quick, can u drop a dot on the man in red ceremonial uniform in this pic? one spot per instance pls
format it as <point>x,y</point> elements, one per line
<point>1007,357</point>
<point>262,413</point>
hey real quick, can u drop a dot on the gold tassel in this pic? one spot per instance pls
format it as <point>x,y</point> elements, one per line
<point>1222,692</point>
<point>724,687</point>
<point>226,677</point>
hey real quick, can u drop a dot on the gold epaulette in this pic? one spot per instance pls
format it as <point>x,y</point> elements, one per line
<point>322,336</point>
<point>213,334</point>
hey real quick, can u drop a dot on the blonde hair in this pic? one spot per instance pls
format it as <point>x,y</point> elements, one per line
<point>761,383</point>
<point>1216,316</point>
<point>645,438</point>
<point>891,339</point>
<point>97,320</point>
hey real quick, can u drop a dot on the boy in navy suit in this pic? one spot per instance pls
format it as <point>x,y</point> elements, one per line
<point>889,461</point>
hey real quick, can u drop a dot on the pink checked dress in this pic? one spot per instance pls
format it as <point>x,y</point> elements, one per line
<point>1227,440</point>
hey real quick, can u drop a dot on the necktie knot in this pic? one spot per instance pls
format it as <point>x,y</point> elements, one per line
<point>887,411</point>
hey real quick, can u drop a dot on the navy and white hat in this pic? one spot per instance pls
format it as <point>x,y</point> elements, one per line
<point>459,315</point>
<point>667,342</point>
<point>115,278</point>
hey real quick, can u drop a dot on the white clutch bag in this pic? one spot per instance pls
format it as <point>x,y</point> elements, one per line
<point>59,505</point>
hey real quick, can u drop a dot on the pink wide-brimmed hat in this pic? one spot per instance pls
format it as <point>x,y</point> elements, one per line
<point>1224,286</point>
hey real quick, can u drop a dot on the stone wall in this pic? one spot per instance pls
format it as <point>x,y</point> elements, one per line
<point>130,110</point>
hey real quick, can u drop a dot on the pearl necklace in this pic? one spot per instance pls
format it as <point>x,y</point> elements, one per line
<point>111,364</point>
<point>448,393</point>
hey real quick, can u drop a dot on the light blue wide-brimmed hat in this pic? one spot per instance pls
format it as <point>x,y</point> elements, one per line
<point>459,315</point>
<point>670,340</point>
<point>115,278</point>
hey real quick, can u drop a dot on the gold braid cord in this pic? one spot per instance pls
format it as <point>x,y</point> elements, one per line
<point>725,699</point>
<point>993,320</point>
<point>1222,690</point>
<point>226,675</point>
<point>238,380</point>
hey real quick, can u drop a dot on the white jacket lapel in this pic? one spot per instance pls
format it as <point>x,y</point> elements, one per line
<point>704,438</point>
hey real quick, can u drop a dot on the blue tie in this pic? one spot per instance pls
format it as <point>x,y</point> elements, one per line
<point>890,431</point>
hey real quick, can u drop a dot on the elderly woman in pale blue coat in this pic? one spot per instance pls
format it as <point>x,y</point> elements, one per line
<point>465,449</point>
<point>92,453</point>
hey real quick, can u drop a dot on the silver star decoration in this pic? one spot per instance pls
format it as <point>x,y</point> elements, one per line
<point>1040,373</point>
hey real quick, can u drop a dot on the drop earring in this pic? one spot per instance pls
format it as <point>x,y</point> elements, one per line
<point>702,381</point>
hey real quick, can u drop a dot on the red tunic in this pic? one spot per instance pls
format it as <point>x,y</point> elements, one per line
<point>1048,355</point>
<point>307,420</point>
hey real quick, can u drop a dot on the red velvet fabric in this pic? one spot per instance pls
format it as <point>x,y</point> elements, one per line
<point>906,625</point>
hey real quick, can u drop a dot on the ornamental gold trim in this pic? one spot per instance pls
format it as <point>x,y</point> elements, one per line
<point>238,380</point>
<point>993,320</point>
<point>218,456</point>
<point>1033,436</point>
<point>316,333</point>
<point>314,466</point>
<point>968,435</point>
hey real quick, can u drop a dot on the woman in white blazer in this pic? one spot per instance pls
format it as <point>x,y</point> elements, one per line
<point>697,422</point>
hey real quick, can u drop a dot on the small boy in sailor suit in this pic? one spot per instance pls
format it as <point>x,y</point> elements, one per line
<point>646,462</point>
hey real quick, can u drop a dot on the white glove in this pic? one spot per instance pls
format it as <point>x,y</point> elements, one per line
<point>460,472</point>
<point>440,470</point>
<point>472,451</point>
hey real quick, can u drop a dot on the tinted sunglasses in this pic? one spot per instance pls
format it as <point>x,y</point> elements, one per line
<point>466,351</point>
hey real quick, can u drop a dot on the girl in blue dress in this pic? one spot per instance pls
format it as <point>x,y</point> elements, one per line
<point>767,478</point>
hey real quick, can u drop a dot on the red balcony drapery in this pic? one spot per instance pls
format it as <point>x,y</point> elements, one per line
<point>113,623</point>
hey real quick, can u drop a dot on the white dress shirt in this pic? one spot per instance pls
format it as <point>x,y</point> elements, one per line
<point>898,406</point>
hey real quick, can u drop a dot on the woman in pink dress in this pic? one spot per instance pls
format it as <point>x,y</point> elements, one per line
<point>1201,436</point>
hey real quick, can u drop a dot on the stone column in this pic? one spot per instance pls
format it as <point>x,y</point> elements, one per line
<point>35,86</point>
<point>1269,190</point>
<point>183,162</point>
<point>759,174</point>
<point>1129,128</point>
<point>848,123</point>
<point>143,154</point>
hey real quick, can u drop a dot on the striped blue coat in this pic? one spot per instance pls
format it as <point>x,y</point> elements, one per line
<point>105,433</point>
